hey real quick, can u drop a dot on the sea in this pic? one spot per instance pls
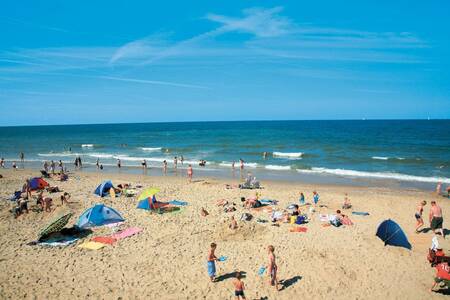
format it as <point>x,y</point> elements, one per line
<point>391,153</point>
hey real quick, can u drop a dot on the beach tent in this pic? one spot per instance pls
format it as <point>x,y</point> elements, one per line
<point>391,234</point>
<point>103,189</point>
<point>56,225</point>
<point>38,183</point>
<point>147,203</point>
<point>99,215</point>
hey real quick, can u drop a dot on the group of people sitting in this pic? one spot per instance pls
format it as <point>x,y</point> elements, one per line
<point>24,196</point>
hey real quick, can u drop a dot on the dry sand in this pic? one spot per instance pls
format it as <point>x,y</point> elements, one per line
<point>168,259</point>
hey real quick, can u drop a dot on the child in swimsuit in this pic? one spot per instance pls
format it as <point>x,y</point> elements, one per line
<point>418,215</point>
<point>239,286</point>
<point>190,173</point>
<point>211,262</point>
<point>273,268</point>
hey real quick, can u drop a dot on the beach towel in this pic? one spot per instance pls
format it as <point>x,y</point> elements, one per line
<point>261,271</point>
<point>126,233</point>
<point>104,240</point>
<point>265,208</point>
<point>92,245</point>
<point>178,202</point>
<point>360,213</point>
<point>298,229</point>
<point>323,218</point>
<point>268,201</point>
<point>112,225</point>
<point>58,241</point>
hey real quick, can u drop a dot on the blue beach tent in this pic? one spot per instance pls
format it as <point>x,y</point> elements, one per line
<point>145,203</point>
<point>103,189</point>
<point>391,234</point>
<point>99,215</point>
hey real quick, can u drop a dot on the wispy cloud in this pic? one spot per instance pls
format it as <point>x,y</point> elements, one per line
<point>155,82</point>
<point>256,21</point>
<point>273,35</point>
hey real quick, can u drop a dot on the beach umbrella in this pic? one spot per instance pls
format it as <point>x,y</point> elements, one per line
<point>56,225</point>
<point>392,234</point>
<point>148,193</point>
<point>99,215</point>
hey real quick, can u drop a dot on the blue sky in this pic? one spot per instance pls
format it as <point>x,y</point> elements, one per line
<point>70,62</point>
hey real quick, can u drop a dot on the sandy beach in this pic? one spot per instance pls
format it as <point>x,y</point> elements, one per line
<point>167,260</point>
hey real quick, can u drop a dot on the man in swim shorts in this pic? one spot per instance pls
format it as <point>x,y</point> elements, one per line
<point>436,219</point>
<point>211,262</point>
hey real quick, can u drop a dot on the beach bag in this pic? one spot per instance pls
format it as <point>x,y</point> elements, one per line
<point>300,220</point>
<point>246,217</point>
<point>335,222</point>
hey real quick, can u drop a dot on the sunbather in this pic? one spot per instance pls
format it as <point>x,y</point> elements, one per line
<point>442,275</point>
<point>347,204</point>
<point>233,225</point>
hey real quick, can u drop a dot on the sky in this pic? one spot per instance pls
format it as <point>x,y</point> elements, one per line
<point>78,62</point>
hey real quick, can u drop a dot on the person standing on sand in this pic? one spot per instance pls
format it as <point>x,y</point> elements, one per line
<point>238,286</point>
<point>211,262</point>
<point>232,165</point>
<point>97,163</point>
<point>302,199</point>
<point>2,163</point>
<point>144,164</point>
<point>52,167</point>
<point>418,215</point>
<point>165,166</point>
<point>435,218</point>
<point>315,197</point>
<point>190,172</point>
<point>175,162</point>
<point>182,159</point>
<point>22,157</point>
<point>119,163</point>
<point>273,268</point>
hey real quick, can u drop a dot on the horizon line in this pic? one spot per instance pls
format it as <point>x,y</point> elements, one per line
<point>224,121</point>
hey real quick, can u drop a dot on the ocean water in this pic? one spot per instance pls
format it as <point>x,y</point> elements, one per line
<point>407,151</point>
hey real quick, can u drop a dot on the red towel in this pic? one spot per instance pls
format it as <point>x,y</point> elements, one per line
<point>104,240</point>
<point>298,229</point>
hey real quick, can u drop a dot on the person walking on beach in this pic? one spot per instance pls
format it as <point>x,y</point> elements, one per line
<point>211,262</point>
<point>76,163</point>
<point>119,164</point>
<point>190,172</point>
<point>232,165</point>
<point>238,286</point>
<point>175,162</point>
<point>435,218</point>
<point>60,165</point>
<point>418,215</point>
<point>182,159</point>
<point>315,197</point>
<point>2,163</point>
<point>165,166</point>
<point>302,199</point>
<point>273,268</point>
<point>144,164</point>
<point>79,162</point>
<point>242,163</point>
<point>22,157</point>
<point>52,167</point>
<point>97,163</point>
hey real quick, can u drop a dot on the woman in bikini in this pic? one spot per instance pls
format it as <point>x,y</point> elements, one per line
<point>418,215</point>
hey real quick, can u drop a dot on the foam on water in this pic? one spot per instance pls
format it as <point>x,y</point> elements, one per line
<point>380,175</point>
<point>87,146</point>
<point>296,155</point>
<point>151,149</point>
<point>278,168</point>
